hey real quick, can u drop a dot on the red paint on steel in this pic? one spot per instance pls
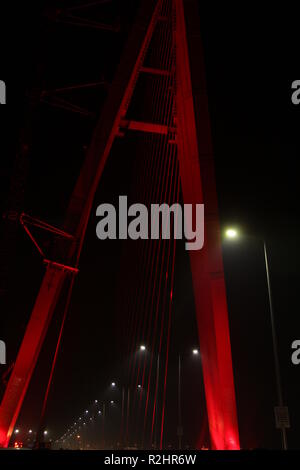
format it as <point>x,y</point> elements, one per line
<point>77,215</point>
<point>195,151</point>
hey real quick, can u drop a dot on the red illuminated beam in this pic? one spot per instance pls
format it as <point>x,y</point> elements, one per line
<point>198,186</point>
<point>154,71</point>
<point>29,351</point>
<point>77,216</point>
<point>146,127</point>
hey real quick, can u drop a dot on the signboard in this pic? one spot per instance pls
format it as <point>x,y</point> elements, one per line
<point>282,417</point>
<point>2,92</point>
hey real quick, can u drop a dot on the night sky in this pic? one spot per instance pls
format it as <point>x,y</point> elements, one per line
<point>251,61</point>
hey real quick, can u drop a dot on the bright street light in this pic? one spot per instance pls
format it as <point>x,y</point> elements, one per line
<point>113,384</point>
<point>195,352</point>
<point>17,431</point>
<point>231,233</point>
<point>143,347</point>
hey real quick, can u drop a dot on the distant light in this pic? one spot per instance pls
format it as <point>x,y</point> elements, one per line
<point>79,418</point>
<point>86,411</point>
<point>113,384</point>
<point>83,424</point>
<point>195,352</point>
<point>143,347</point>
<point>112,402</point>
<point>231,233</point>
<point>45,433</point>
<point>78,437</point>
<point>91,419</point>
<point>30,431</point>
<point>96,401</point>
<point>17,431</point>
<point>99,412</point>
<point>139,386</point>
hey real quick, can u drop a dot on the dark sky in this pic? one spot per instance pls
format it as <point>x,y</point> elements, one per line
<point>251,61</point>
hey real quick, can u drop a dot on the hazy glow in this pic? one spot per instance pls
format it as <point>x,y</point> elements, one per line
<point>231,233</point>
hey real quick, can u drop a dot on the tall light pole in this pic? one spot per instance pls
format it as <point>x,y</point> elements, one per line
<point>275,347</point>
<point>232,233</point>
<point>156,401</point>
<point>143,349</point>
<point>195,352</point>
<point>179,428</point>
<point>122,415</point>
<point>103,425</point>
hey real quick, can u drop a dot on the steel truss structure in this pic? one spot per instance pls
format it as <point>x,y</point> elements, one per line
<point>190,132</point>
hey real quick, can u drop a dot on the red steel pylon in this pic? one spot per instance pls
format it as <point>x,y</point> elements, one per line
<point>192,136</point>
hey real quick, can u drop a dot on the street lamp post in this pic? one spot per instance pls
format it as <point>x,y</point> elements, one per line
<point>179,429</point>
<point>232,233</point>
<point>275,346</point>
<point>143,348</point>
<point>195,352</point>
<point>156,401</point>
<point>103,425</point>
